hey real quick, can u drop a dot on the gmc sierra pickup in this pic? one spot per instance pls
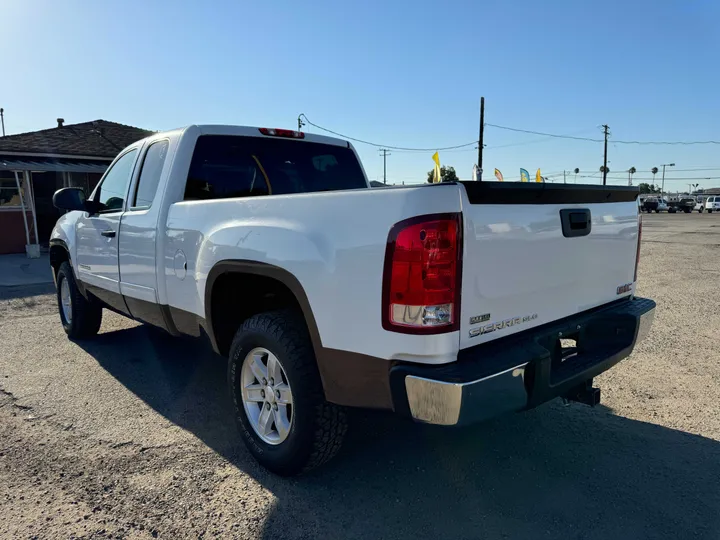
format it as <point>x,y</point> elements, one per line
<point>448,303</point>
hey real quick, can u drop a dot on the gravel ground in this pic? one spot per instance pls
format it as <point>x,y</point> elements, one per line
<point>130,436</point>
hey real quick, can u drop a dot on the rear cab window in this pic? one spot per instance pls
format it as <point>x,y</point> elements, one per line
<point>229,166</point>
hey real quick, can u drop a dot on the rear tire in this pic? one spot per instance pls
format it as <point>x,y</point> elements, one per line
<point>316,427</point>
<point>709,211</point>
<point>80,317</point>
<point>700,210</point>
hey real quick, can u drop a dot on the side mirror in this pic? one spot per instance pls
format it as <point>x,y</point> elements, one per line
<point>70,198</point>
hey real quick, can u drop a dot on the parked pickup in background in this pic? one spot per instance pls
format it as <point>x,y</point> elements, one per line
<point>448,303</point>
<point>685,204</point>
<point>654,204</point>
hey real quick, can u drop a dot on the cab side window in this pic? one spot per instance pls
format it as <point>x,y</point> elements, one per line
<point>113,189</point>
<point>152,167</point>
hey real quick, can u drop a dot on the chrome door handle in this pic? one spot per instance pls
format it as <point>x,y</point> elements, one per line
<point>108,234</point>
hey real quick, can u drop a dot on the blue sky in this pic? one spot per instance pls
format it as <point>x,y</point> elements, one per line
<point>397,73</point>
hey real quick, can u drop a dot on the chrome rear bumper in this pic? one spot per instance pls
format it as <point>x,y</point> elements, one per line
<point>521,371</point>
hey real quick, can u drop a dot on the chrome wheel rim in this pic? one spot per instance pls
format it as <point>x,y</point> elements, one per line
<point>66,300</point>
<point>266,395</point>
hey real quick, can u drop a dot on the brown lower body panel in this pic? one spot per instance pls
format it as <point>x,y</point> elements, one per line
<point>354,379</point>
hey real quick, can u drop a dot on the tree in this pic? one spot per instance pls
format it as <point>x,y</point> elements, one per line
<point>648,188</point>
<point>576,171</point>
<point>654,170</point>
<point>631,171</point>
<point>604,169</point>
<point>447,174</point>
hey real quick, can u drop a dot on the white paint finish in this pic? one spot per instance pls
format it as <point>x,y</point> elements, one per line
<point>138,237</point>
<point>517,263</point>
<point>329,241</point>
<point>97,255</point>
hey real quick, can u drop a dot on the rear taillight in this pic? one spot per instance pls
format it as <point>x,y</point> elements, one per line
<point>276,132</point>
<point>422,278</point>
<point>637,253</point>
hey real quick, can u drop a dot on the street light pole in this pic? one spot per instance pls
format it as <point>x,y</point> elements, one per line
<point>662,189</point>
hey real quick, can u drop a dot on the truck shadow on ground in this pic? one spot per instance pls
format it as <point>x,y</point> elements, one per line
<point>556,472</point>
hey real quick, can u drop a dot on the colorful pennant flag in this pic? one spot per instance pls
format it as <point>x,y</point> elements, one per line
<point>524,176</point>
<point>498,175</point>
<point>538,178</point>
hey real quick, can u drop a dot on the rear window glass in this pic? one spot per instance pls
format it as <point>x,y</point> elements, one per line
<point>225,166</point>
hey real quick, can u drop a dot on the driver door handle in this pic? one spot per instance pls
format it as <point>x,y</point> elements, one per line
<point>109,233</point>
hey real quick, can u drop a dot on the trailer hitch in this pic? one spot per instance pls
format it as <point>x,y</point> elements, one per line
<point>585,393</point>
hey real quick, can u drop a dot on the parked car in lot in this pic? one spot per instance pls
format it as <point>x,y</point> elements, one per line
<point>323,293</point>
<point>655,204</point>
<point>711,204</point>
<point>685,204</point>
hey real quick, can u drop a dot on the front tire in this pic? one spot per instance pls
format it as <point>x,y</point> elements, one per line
<point>80,317</point>
<point>709,211</point>
<point>286,425</point>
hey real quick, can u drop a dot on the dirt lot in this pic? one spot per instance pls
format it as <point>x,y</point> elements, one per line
<point>130,436</point>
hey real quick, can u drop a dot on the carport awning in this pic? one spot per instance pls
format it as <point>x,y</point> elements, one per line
<point>54,165</point>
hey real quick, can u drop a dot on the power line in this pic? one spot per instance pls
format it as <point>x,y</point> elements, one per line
<point>598,140</point>
<point>387,146</point>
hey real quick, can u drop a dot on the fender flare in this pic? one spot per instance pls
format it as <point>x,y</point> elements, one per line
<point>266,270</point>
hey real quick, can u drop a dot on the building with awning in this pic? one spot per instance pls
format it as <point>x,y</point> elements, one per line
<point>34,165</point>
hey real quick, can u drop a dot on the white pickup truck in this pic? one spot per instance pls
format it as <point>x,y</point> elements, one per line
<point>448,303</point>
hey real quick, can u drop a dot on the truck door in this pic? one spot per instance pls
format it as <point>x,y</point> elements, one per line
<point>97,234</point>
<point>138,237</point>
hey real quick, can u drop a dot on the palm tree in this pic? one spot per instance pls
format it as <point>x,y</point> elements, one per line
<point>576,171</point>
<point>631,171</point>
<point>654,170</point>
<point>604,169</point>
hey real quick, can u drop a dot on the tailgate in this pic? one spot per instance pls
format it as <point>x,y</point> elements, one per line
<point>523,268</point>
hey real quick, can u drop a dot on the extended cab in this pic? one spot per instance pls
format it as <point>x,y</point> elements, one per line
<point>448,303</point>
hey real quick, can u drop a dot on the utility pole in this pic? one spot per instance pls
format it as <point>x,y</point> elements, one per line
<point>300,122</point>
<point>2,119</point>
<point>606,129</point>
<point>385,153</point>
<point>564,181</point>
<point>480,138</point>
<point>662,189</point>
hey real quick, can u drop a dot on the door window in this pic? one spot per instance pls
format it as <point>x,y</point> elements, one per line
<point>150,174</point>
<point>113,189</point>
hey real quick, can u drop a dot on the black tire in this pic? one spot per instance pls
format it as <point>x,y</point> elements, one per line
<point>657,211</point>
<point>709,211</point>
<point>85,315</point>
<point>318,427</point>
<point>700,210</point>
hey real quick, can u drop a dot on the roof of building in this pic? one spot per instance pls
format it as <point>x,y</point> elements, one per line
<point>99,138</point>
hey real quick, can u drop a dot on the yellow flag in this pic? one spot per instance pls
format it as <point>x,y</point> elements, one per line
<point>498,175</point>
<point>538,178</point>
<point>436,172</point>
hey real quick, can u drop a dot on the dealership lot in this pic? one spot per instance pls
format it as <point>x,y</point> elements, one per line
<point>130,436</point>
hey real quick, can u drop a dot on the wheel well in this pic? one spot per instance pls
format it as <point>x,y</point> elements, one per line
<point>58,255</point>
<point>237,296</point>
